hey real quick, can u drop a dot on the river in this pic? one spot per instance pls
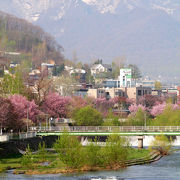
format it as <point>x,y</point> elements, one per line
<point>167,168</point>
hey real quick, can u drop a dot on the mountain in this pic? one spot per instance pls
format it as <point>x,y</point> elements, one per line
<point>30,41</point>
<point>145,31</point>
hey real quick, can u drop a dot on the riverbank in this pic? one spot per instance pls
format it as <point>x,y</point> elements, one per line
<point>149,158</point>
<point>52,165</point>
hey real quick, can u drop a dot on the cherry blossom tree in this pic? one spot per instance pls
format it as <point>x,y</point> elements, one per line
<point>8,118</point>
<point>150,100</point>
<point>24,108</point>
<point>159,108</point>
<point>103,105</point>
<point>134,108</point>
<point>56,105</point>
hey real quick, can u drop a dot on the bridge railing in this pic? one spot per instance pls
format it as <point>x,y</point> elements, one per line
<point>106,129</point>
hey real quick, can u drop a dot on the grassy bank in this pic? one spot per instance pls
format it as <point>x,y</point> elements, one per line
<point>11,162</point>
<point>52,165</point>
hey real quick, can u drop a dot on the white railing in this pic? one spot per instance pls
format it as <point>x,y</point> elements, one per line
<point>106,129</point>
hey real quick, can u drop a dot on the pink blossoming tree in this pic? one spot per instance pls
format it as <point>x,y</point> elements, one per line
<point>56,105</point>
<point>24,108</point>
<point>134,108</point>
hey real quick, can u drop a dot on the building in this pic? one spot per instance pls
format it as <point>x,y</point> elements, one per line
<point>125,77</point>
<point>100,68</point>
<point>133,93</point>
<point>111,83</point>
<point>48,67</point>
<point>136,92</point>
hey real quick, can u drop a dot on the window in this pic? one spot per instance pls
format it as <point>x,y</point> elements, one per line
<point>139,92</point>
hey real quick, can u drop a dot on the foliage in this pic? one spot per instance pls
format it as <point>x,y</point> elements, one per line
<point>65,84</point>
<point>117,64</point>
<point>158,85</point>
<point>93,154</point>
<point>103,105</point>
<point>169,117</point>
<point>136,73</point>
<point>43,87</point>
<point>24,108</point>
<point>42,152</point>
<point>8,117</point>
<point>13,84</point>
<point>134,108</point>
<point>27,159</point>
<point>77,102</point>
<point>19,35</point>
<point>55,105</point>
<point>137,119</point>
<point>88,116</point>
<point>58,69</point>
<point>69,150</point>
<point>149,100</point>
<point>159,108</point>
<point>111,120</point>
<point>162,144</point>
<point>116,150</point>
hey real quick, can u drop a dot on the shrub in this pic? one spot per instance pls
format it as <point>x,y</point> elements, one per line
<point>137,119</point>
<point>69,150</point>
<point>161,144</point>
<point>42,152</point>
<point>88,116</point>
<point>92,154</point>
<point>116,150</point>
<point>169,117</point>
<point>27,159</point>
<point>111,120</point>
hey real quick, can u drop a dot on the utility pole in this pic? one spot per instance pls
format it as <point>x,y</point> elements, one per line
<point>145,118</point>
<point>27,126</point>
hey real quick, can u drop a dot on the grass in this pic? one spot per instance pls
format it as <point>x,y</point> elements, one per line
<point>54,164</point>
<point>137,153</point>
<point>10,163</point>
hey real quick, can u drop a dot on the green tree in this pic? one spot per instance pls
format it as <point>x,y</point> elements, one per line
<point>58,69</point>
<point>158,85</point>
<point>136,73</point>
<point>88,116</point>
<point>27,159</point>
<point>13,84</point>
<point>69,150</point>
<point>117,64</point>
<point>116,150</point>
<point>93,154</point>
<point>42,152</point>
<point>161,144</point>
<point>111,120</point>
<point>137,119</point>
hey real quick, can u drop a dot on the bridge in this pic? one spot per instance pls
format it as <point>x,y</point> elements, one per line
<point>140,135</point>
<point>107,130</point>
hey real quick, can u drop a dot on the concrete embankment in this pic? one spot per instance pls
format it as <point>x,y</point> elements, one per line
<point>10,148</point>
<point>152,157</point>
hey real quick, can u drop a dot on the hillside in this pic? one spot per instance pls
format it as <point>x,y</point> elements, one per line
<point>18,35</point>
<point>145,31</point>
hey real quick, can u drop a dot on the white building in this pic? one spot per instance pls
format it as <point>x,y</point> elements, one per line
<point>125,77</point>
<point>100,68</point>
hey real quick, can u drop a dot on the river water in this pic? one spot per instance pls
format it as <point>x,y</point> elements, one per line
<point>167,168</point>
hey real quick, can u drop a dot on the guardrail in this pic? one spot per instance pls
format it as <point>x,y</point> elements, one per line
<point>106,129</point>
<point>14,136</point>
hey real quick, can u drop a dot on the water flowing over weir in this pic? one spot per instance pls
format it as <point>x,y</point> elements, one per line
<point>167,168</point>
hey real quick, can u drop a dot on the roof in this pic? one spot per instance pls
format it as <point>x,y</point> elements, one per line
<point>108,66</point>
